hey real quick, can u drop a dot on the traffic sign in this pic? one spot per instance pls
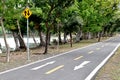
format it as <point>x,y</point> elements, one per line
<point>27,13</point>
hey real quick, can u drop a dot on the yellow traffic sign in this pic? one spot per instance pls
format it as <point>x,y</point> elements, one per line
<point>27,13</point>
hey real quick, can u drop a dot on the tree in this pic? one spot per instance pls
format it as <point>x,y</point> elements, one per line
<point>73,21</point>
<point>15,10</point>
<point>38,21</point>
<point>48,7</point>
<point>7,12</point>
<point>96,14</point>
<point>2,15</point>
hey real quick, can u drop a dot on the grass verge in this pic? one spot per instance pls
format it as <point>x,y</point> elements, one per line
<point>111,70</point>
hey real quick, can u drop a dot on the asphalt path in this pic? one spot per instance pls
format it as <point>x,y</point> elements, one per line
<point>78,64</point>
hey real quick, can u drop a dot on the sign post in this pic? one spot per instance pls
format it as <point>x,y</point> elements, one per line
<point>27,13</point>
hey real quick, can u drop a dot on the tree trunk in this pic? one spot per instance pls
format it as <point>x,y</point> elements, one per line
<point>99,36</point>
<point>48,30</point>
<point>94,35</point>
<point>22,45</point>
<point>89,35</point>
<point>42,42</point>
<point>85,36</point>
<point>60,40</point>
<point>16,40</point>
<point>111,34</point>
<point>59,33</point>
<point>65,37</point>
<point>78,36</point>
<point>6,44</point>
<point>38,27</point>
<point>18,25</point>
<point>33,38</point>
<point>21,41</point>
<point>71,39</point>
<point>47,37</point>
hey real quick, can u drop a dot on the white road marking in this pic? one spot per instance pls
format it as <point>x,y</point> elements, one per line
<point>47,59</point>
<point>81,65</point>
<point>91,75</point>
<point>36,68</point>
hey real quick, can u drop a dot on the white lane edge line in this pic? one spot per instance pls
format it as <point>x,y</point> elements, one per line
<point>92,74</point>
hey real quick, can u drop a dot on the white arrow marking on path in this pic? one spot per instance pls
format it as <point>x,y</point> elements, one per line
<point>81,65</point>
<point>36,68</point>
